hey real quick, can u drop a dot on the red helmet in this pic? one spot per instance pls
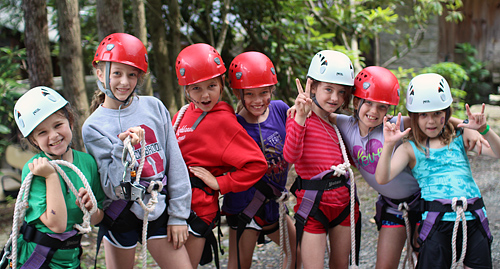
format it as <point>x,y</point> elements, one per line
<point>251,70</point>
<point>122,48</point>
<point>377,84</point>
<point>198,62</point>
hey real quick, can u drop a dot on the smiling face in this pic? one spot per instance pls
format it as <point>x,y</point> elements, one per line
<point>330,96</point>
<point>431,123</point>
<point>371,114</point>
<point>257,100</point>
<point>122,79</point>
<point>205,94</point>
<point>53,135</point>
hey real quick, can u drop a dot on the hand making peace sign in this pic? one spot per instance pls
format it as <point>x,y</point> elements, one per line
<point>303,102</point>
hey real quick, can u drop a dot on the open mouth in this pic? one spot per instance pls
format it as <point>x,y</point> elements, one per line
<point>56,143</point>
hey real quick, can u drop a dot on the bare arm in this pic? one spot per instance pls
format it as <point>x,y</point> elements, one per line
<point>55,216</point>
<point>387,169</point>
<point>477,121</point>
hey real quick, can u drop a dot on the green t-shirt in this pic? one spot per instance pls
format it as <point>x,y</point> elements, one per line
<point>67,258</point>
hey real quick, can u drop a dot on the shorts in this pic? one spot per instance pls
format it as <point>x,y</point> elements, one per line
<point>391,224</point>
<point>316,227</point>
<point>256,223</point>
<point>129,239</point>
<point>436,251</point>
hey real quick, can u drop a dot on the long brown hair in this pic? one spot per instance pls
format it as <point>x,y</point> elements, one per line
<point>418,136</point>
<point>99,96</point>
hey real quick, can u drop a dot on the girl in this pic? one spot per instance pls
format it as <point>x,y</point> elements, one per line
<point>253,78</point>
<point>121,62</point>
<point>46,120</point>
<point>316,148</point>
<point>437,157</point>
<point>219,153</point>
<point>376,89</point>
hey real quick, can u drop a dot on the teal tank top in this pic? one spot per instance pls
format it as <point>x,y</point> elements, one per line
<point>445,174</point>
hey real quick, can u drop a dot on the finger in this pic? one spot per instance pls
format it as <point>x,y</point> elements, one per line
<point>482,108</point>
<point>479,146</point>
<point>407,131</point>
<point>299,86</point>
<point>398,121</point>
<point>385,120</point>
<point>467,109</point>
<point>308,87</point>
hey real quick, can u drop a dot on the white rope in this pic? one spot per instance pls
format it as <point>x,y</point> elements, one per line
<point>403,207</point>
<point>460,210</point>
<point>22,204</point>
<point>283,225</point>
<point>342,169</point>
<point>150,206</point>
<point>179,116</point>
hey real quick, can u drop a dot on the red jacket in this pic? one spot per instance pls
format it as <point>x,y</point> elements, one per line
<point>220,145</point>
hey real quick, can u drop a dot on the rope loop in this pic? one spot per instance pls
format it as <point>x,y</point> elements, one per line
<point>22,204</point>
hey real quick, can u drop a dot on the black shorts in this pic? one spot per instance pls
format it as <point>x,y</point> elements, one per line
<point>436,250</point>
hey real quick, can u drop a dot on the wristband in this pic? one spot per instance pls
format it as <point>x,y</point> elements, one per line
<point>485,130</point>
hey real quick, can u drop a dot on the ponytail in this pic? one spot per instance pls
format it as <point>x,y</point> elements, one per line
<point>97,100</point>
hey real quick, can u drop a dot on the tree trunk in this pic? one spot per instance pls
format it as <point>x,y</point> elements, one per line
<point>140,31</point>
<point>36,39</point>
<point>163,68</point>
<point>175,29</point>
<point>71,62</point>
<point>109,17</point>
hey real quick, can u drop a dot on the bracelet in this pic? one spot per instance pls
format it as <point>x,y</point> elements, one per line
<point>485,130</point>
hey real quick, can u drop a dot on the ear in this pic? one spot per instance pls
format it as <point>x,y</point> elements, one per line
<point>355,102</point>
<point>100,74</point>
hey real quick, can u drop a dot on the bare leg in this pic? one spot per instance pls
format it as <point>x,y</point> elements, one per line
<point>292,239</point>
<point>247,245</point>
<point>390,243</point>
<point>118,258</point>
<point>313,250</point>
<point>194,246</point>
<point>166,256</point>
<point>340,246</point>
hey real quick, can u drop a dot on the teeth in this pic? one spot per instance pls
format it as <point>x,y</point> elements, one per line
<point>57,143</point>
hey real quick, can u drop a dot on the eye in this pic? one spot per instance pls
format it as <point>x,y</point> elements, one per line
<point>116,73</point>
<point>423,115</point>
<point>133,75</point>
<point>368,102</point>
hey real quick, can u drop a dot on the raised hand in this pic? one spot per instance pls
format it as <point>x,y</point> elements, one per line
<point>303,102</point>
<point>392,131</point>
<point>476,120</point>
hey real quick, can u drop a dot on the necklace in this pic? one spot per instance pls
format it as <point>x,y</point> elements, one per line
<point>321,121</point>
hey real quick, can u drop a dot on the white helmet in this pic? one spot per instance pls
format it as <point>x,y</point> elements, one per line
<point>428,92</point>
<point>333,67</point>
<point>35,106</point>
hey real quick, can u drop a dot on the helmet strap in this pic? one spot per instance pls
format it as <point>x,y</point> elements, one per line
<point>106,89</point>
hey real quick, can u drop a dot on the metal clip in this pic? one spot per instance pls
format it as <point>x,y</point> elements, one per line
<point>4,262</point>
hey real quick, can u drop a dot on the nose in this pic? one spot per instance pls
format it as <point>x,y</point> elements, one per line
<point>334,96</point>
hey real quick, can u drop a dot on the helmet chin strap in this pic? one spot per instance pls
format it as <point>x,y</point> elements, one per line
<point>106,88</point>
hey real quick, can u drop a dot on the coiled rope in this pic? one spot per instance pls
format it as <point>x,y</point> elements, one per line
<point>150,206</point>
<point>342,169</point>
<point>22,204</point>
<point>403,207</point>
<point>460,210</point>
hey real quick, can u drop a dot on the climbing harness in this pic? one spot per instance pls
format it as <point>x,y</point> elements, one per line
<point>436,210</point>
<point>334,178</point>
<point>47,244</point>
<point>134,191</point>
